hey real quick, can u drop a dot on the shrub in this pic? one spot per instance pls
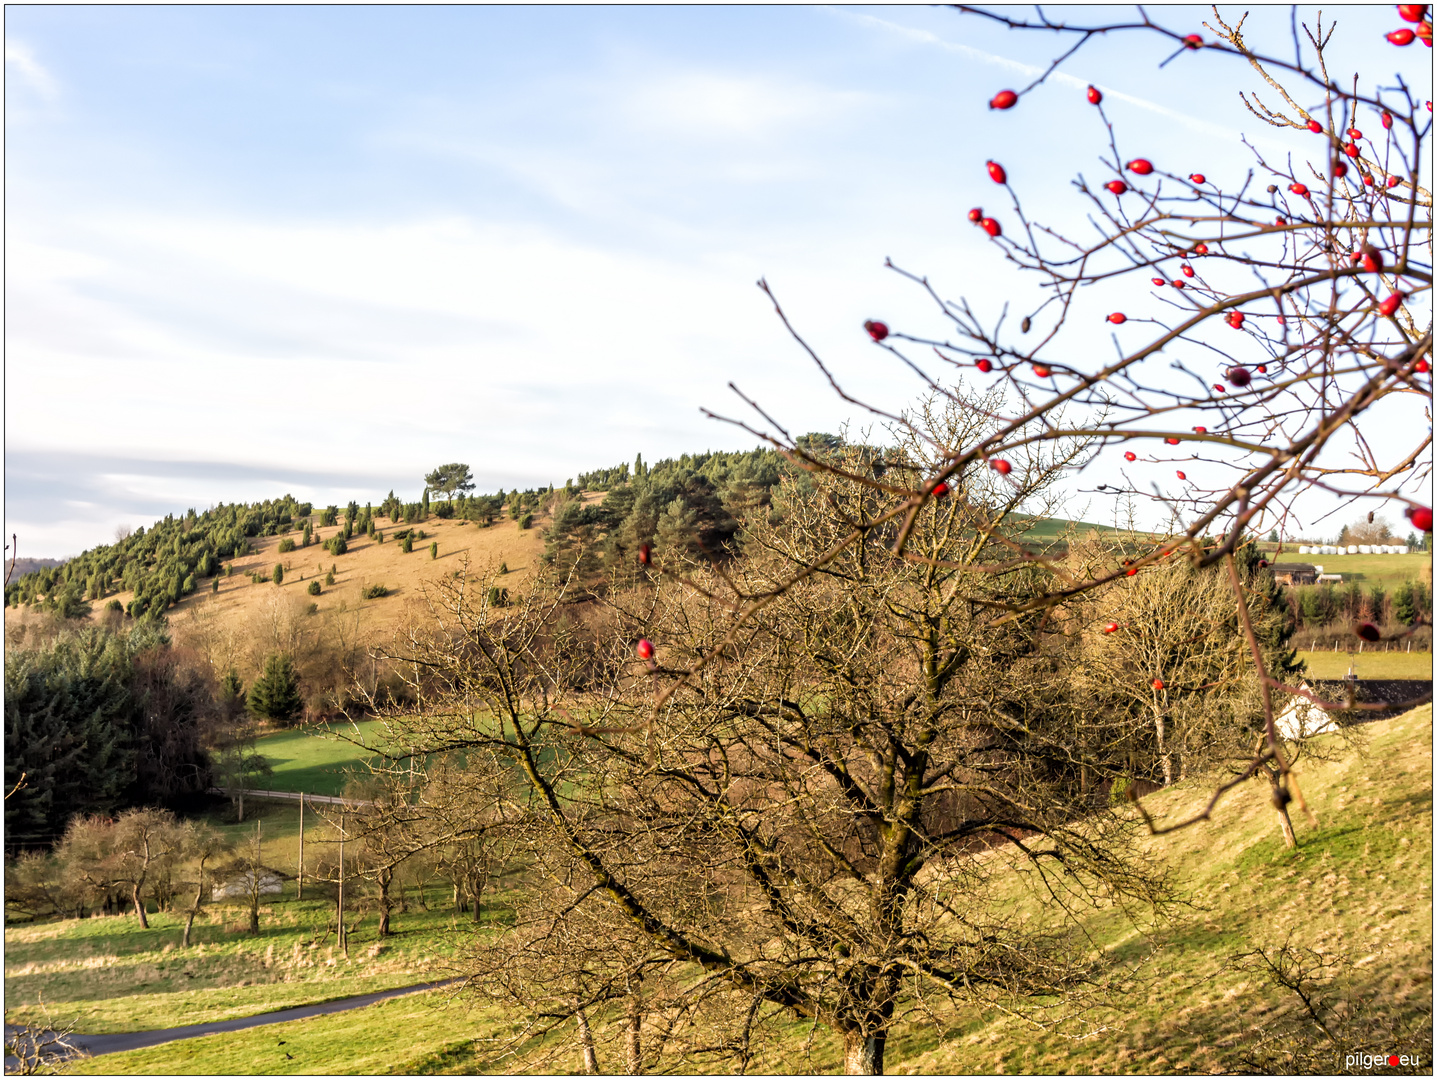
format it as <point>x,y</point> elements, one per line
<point>314,588</point>
<point>286,545</point>
<point>408,544</point>
<point>190,584</point>
<point>278,576</point>
<point>374,592</point>
<point>336,545</point>
<point>434,550</point>
<point>378,537</point>
<point>308,535</point>
<point>329,578</point>
<point>215,585</point>
<point>503,568</point>
<point>115,605</point>
<point>526,521</point>
<point>313,609</point>
<point>498,597</point>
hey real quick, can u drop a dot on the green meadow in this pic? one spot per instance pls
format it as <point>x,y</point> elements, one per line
<point>1358,889</point>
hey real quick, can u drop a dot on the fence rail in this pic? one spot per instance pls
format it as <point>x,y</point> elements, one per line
<point>252,793</point>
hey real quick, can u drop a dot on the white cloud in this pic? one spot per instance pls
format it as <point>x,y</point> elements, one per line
<point>20,60</point>
<point>703,104</point>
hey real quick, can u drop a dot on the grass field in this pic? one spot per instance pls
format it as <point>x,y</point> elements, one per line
<point>317,761</point>
<point>1326,664</point>
<point>1359,887</point>
<point>1384,570</point>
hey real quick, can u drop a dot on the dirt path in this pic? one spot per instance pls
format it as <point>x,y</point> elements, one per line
<point>135,1040</point>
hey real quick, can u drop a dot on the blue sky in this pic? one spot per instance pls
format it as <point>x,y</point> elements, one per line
<point>320,250</point>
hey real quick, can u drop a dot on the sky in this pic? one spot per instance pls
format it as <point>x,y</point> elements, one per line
<point>262,250</point>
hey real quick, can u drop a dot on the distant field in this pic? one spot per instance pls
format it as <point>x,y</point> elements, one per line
<point>1384,570</point>
<point>316,760</point>
<point>1368,665</point>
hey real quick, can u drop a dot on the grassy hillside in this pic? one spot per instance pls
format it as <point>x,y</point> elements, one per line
<point>1359,889</point>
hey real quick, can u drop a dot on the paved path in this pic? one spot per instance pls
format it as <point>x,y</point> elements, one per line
<point>134,1040</point>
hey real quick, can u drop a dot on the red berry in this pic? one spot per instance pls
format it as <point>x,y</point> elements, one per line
<point>1130,455</point>
<point>1421,367</point>
<point>1142,166</point>
<point>1412,12</point>
<point>1424,33</point>
<point>1314,127</point>
<point>876,330</point>
<point>1200,249</point>
<point>1188,271</point>
<point>1371,259</point>
<point>1178,283</point>
<point>1182,475</point>
<point>1421,518</point>
<point>1197,178</point>
<point>1393,181</point>
<point>1132,570</point>
<point>1193,41</point>
<point>646,556</point>
<point>1157,684</point>
<point>996,172</point>
<point>1366,631</point>
<point>1262,369</point>
<point>1391,304</point>
<point>1239,376</point>
<point>1001,467</point>
<point>1111,628</point>
<point>1353,133</point>
<point>1298,189</point>
<point>1281,220</point>
<point>1200,430</point>
<point>984,365</point>
<point>1117,318</point>
<point>1235,319</point>
<point>1095,96</point>
<point>1003,99</point>
<point>1387,120</point>
<point>975,215</point>
<point>1367,179</point>
<point>1172,440</point>
<point>991,227</point>
<point>1350,149</point>
<point>1219,387</point>
<point>1159,281</point>
<point>1262,564</point>
<point>645,648</point>
<point>940,489</point>
<point>1402,37</point>
<point>1042,370</point>
<point>1117,187</point>
<point>1339,170</point>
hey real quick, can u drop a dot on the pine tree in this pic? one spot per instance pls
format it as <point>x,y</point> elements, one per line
<point>278,576</point>
<point>424,504</point>
<point>408,544</point>
<point>275,694</point>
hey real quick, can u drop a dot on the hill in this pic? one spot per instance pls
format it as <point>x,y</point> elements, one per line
<point>1198,996</point>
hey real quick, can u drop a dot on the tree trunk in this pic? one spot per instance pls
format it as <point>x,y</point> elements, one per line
<point>863,1055</point>
<point>194,910</point>
<point>384,877</point>
<point>1163,755</point>
<point>633,1037</point>
<point>586,1044</point>
<point>139,904</point>
<point>1289,837</point>
<point>239,803</point>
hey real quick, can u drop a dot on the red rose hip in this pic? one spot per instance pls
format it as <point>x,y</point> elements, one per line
<point>975,215</point>
<point>1130,455</point>
<point>1001,467</point>
<point>1117,318</point>
<point>1197,178</point>
<point>984,365</point>
<point>1402,37</point>
<point>997,172</point>
<point>1239,376</point>
<point>991,227</point>
<point>1117,187</point>
<point>1003,99</point>
<point>645,649</point>
<point>1366,631</point>
<point>876,330</point>
<point>1141,166</point>
<point>1095,96</point>
<point>1421,518</point>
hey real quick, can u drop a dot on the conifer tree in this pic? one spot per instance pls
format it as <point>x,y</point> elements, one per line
<point>275,694</point>
<point>278,576</point>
